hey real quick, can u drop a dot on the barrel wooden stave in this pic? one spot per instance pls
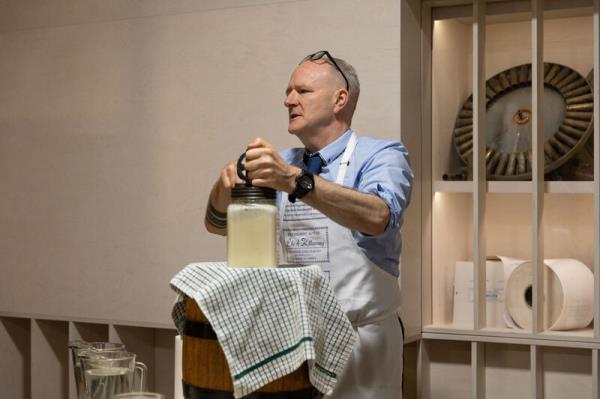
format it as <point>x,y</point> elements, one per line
<point>205,365</point>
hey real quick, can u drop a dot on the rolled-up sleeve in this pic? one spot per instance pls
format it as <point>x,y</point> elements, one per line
<point>387,174</point>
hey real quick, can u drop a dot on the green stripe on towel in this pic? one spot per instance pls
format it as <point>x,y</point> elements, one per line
<point>325,371</point>
<point>271,358</point>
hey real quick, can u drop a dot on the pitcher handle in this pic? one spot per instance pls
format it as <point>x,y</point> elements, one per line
<point>142,371</point>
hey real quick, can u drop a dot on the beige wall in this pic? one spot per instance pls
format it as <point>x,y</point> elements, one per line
<point>115,118</point>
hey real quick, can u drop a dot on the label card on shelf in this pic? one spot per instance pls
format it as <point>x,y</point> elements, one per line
<point>464,294</point>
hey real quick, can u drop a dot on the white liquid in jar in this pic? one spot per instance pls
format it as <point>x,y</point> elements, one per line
<point>251,235</point>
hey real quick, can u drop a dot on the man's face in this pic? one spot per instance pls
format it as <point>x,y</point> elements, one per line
<point>310,98</point>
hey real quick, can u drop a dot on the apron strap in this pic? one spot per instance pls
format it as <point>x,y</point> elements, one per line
<point>346,159</point>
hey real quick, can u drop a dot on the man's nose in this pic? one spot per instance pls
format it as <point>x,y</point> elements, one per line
<point>290,100</point>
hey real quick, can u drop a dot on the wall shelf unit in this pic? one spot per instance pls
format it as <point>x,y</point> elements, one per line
<point>464,43</point>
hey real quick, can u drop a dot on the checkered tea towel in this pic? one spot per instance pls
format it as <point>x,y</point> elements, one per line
<point>269,321</point>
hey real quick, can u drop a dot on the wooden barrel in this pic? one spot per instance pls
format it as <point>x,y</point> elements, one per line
<point>206,373</point>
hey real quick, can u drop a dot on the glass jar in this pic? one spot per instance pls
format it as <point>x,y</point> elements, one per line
<point>252,227</point>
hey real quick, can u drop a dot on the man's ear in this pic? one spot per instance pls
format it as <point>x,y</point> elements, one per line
<point>341,99</point>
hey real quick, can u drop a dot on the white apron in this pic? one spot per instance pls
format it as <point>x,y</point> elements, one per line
<point>368,295</point>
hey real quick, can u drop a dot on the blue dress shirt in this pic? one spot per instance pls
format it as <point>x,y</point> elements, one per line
<point>378,167</point>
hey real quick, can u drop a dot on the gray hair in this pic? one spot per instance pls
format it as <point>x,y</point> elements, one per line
<point>353,83</point>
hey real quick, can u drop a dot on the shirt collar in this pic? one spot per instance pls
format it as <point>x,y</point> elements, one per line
<point>333,150</point>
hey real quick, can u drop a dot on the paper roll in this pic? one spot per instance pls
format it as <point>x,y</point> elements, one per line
<point>510,264</point>
<point>568,290</point>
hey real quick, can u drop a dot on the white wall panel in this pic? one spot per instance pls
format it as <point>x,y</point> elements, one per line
<point>32,14</point>
<point>116,117</point>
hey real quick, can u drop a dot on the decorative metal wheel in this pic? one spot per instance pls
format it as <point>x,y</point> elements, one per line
<point>567,125</point>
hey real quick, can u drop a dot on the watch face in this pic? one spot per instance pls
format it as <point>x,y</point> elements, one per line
<point>306,182</point>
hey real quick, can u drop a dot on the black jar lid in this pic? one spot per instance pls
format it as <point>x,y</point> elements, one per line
<point>245,191</point>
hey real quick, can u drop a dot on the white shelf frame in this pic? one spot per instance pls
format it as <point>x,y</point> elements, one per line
<point>537,173</point>
<point>479,177</point>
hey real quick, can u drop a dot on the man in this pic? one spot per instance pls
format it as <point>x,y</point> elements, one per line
<point>353,193</point>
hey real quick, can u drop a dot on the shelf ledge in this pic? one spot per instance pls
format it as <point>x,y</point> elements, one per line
<point>583,338</point>
<point>558,187</point>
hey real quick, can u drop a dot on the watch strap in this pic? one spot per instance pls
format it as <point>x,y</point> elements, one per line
<point>300,191</point>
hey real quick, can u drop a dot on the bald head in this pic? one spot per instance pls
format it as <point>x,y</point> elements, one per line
<point>320,73</point>
<point>333,76</point>
<point>317,104</point>
<point>346,78</point>
<point>334,80</point>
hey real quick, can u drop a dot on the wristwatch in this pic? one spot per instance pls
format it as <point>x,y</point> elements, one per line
<point>305,183</point>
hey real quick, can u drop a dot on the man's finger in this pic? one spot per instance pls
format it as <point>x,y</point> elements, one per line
<point>260,183</point>
<point>261,173</point>
<point>233,176</point>
<point>229,176</point>
<point>258,143</point>
<point>261,162</point>
<point>256,153</point>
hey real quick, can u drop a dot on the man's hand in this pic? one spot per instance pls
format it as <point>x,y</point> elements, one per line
<point>266,168</point>
<point>222,190</point>
<point>219,199</point>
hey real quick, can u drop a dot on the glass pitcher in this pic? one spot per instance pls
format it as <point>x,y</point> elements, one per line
<point>76,347</point>
<point>108,373</point>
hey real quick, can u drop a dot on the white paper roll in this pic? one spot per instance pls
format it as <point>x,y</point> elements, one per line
<point>568,289</point>
<point>510,264</point>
